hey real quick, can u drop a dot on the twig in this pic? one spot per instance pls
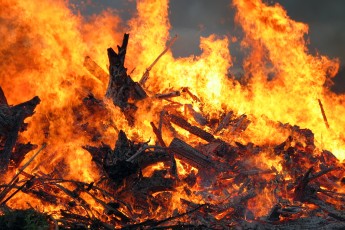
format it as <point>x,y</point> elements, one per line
<point>18,189</point>
<point>152,223</point>
<point>158,134</point>
<point>14,179</point>
<point>179,215</point>
<point>323,114</point>
<point>77,198</point>
<point>194,97</point>
<point>142,149</point>
<point>145,76</point>
<point>121,215</point>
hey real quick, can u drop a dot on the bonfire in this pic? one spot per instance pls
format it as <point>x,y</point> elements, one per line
<point>102,128</point>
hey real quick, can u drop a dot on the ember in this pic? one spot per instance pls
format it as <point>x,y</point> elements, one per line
<point>172,143</point>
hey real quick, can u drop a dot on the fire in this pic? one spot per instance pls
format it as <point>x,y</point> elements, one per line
<point>43,50</point>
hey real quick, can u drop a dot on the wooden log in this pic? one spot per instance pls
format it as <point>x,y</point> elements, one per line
<point>121,87</point>
<point>167,95</point>
<point>95,69</point>
<point>156,183</point>
<point>192,156</point>
<point>151,158</point>
<point>339,215</point>
<point>158,134</point>
<point>302,191</point>
<point>181,122</point>
<point>237,204</point>
<point>139,92</point>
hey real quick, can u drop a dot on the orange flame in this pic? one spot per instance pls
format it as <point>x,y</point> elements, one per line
<point>44,46</point>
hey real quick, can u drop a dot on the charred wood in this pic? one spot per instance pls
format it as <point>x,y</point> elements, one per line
<point>167,95</point>
<point>339,215</point>
<point>307,223</point>
<point>11,123</point>
<point>3,100</point>
<point>121,88</point>
<point>190,154</point>
<point>20,150</point>
<point>323,113</point>
<point>225,122</point>
<point>98,153</point>
<point>156,183</point>
<point>181,122</point>
<point>158,134</point>
<point>241,124</point>
<point>151,158</point>
<point>303,191</point>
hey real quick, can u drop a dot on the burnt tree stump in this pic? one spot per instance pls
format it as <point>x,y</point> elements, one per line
<point>121,88</point>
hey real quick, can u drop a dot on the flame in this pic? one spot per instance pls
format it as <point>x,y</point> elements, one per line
<point>43,50</point>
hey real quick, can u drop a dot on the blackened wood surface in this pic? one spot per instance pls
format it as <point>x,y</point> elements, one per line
<point>190,154</point>
<point>121,88</point>
<point>179,121</point>
<point>16,115</point>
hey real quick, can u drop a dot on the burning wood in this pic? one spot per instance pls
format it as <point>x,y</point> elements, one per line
<point>218,184</point>
<point>189,154</point>
<point>168,95</point>
<point>95,69</point>
<point>177,120</point>
<point>121,87</point>
<point>198,117</point>
<point>323,113</point>
<point>224,122</point>
<point>11,123</point>
<point>145,76</point>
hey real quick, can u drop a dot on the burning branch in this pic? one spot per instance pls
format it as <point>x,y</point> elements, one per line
<point>145,76</point>
<point>14,180</point>
<point>95,69</point>
<point>323,114</point>
<point>181,122</point>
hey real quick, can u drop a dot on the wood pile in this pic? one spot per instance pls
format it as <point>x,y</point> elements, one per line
<point>305,194</point>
